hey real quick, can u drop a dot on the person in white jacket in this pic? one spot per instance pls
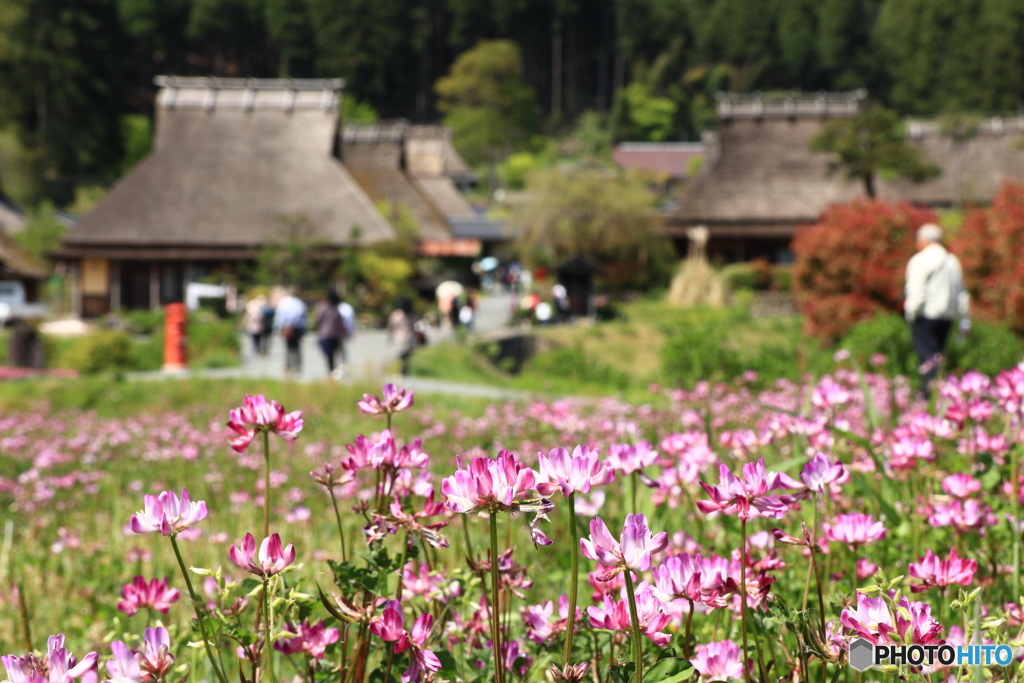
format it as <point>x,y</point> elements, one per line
<point>935,298</point>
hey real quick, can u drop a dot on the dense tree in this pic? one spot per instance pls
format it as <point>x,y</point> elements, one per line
<point>71,69</point>
<point>944,55</point>
<point>486,102</point>
<point>365,41</point>
<point>873,143</point>
<point>600,213</point>
<point>61,84</point>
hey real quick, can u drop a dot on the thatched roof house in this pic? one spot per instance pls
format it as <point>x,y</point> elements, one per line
<point>12,220</point>
<point>976,158</point>
<point>418,168</point>
<point>232,158</point>
<point>760,180</point>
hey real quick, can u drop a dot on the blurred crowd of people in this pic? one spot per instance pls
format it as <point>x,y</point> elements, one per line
<point>284,313</point>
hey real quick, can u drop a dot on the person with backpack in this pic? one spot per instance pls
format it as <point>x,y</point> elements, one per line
<point>330,328</point>
<point>935,298</point>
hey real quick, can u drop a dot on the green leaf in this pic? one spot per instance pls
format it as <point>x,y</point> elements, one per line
<point>864,486</point>
<point>869,404</point>
<point>448,666</point>
<point>622,673</point>
<point>670,670</point>
<point>329,605</point>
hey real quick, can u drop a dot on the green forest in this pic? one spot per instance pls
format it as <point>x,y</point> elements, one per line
<point>76,76</point>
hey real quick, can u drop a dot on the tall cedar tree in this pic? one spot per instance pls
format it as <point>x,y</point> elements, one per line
<point>61,84</point>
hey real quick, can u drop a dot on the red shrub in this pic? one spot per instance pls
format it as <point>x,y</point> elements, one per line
<point>989,245</point>
<point>850,265</point>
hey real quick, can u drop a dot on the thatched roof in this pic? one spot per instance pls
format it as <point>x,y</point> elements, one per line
<point>435,140</point>
<point>759,170</point>
<point>232,157</point>
<point>15,263</point>
<point>11,217</point>
<point>408,165</point>
<point>974,164</point>
<point>762,179</point>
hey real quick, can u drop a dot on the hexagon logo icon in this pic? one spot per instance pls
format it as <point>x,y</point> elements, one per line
<point>862,654</point>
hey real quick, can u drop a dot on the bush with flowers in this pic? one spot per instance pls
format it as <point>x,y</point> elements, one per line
<point>850,265</point>
<point>722,533</point>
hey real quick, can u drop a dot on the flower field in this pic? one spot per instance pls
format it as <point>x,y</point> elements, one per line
<point>717,532</point>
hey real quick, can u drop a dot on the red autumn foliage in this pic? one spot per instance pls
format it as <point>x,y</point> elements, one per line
<point>850,265</point>
<point>989,245</point>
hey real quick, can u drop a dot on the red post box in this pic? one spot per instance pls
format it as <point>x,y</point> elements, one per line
<point>175,338</point>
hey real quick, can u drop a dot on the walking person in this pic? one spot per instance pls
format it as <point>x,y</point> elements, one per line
<point>330,328</point>
<point>348,315</point>
<point>401,332</point>
<point>253,322</point>
<point>935,297</point>
<point>290,320</point>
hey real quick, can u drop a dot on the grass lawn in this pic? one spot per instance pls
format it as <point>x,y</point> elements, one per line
<point>620,357</point>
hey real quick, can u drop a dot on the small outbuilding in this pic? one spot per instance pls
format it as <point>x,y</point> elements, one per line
<point>577,275</point>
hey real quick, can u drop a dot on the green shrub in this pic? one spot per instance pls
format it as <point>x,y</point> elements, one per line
<point>772,362</point>
<point>987,348</point>
<point>886,334</point>
<point>142,321</point>
<point>99,352</point>
<point>739,276</point>
<point>210,336</point>
<point>698,351</point>
<point>149,353</point>
<point>758,275</point>
<point>782,278</point>
<point>575,364</point>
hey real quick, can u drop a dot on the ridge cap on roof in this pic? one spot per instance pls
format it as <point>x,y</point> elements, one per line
<point>791,104</point>
<point>212,93</point>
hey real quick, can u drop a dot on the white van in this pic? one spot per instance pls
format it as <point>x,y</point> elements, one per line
<point>13,302</point>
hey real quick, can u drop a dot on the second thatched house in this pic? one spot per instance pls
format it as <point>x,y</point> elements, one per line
<point>232,160</point>
<point>761,181</point>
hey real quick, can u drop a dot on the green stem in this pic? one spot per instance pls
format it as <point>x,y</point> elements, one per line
<point>638,660</point>
<point>401,569</point>
<point>1015,503</point>
<point>743,597</point>
<point>689,620</point>
<point>499,662</point>
<point>634,481</point>
<point>470,555</point>
<point>266,484</point>
<point>267,645</point>
<point>214,662</point>
<point>337,516</point>
<point>574,579</point>
<point>853,571</point>
<point>387,669</point>
<point>377,497</point>
<point>821,599</point>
